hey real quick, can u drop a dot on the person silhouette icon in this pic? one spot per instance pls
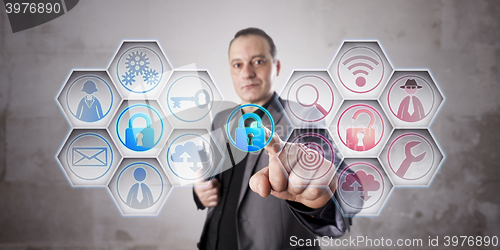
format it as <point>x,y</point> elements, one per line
<point>140,196</point>
<point>411,108</point>
<point>89,108</point>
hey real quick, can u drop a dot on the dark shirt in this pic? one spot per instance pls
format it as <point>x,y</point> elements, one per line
<point>223,222</point>
<point>226,214</point>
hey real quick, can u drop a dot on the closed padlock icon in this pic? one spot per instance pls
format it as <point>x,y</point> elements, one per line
<point>251,138</point>
<point>139,139</point>
<point>361,139</point>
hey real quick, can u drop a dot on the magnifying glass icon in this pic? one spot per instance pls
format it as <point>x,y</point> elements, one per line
<point>315,103</point>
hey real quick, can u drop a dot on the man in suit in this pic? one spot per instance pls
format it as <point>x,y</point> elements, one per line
<point>273,213</point>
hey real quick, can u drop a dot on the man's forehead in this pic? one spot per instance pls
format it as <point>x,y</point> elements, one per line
<point>249,46</point>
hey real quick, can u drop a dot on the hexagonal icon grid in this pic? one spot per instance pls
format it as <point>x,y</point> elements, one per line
<point>309,158</point>
<point>139,69</point>
<point>361,128</point>
<point>88,98</point>
<point>412,98</point>
<point>190,155</point>
<point>88,157</point>
<point>190,99</point>
<point>363,187</point>
<point>139,187</point>
<point>139,128</point>
<point>411,157</point>
<point>360,69</point>
<point>312,98</point>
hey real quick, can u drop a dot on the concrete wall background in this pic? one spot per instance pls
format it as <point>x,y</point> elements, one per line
<point>459,41</point>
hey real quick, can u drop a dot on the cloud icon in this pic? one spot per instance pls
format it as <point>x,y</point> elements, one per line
<point>190,152</point>
<point>361,181</point>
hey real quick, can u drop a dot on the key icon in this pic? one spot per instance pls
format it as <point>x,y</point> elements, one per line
<point>201,99</point>
<point>177,100</point>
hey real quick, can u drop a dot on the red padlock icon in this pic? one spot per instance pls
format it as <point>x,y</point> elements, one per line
<point>361,139</point>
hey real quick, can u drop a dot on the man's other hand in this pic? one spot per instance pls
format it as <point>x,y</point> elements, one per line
<point>273,179</point>
<point>208,192</point>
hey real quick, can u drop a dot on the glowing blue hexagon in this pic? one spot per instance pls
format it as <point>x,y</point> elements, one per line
<point>139,128</point>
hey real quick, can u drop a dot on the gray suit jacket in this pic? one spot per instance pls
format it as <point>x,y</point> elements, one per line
<point>269,223</point>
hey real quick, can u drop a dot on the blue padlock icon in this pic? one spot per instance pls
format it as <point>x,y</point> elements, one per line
<point>250,138</point>
<point>139,139</point>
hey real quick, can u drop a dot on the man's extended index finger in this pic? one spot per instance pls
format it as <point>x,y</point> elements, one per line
<point>275,144</point>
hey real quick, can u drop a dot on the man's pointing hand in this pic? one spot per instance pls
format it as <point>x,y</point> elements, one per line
<point>279,180</point>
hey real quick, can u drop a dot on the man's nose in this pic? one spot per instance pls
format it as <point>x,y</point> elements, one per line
<point>248,71</point>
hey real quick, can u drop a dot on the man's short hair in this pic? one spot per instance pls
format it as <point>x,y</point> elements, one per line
<point>257,32</point>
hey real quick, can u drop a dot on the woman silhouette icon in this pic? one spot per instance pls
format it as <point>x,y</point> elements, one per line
<point>89,108</point>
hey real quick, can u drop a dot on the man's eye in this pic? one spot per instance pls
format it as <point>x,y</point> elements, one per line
<point>259,62</point>
<point>237,65</point>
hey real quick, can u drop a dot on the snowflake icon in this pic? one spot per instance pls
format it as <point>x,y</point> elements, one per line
<point>128,78</point>
<point>137,62</point>
<point>151,77</point>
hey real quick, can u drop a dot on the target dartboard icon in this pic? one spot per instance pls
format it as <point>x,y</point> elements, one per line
<point>312,157</point>
<point>313,150</point>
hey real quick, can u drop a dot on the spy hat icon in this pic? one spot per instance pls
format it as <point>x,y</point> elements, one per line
<point>411,83</point>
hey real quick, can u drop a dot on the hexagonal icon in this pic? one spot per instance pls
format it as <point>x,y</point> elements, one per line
<point>312,98</point>
<point>88,98</point>
<point>190,155</point>
<point>411,157</point>
<point>361,128</point>
<point>228,119</point>
<point>139,69</point>
<point>190,99</point>
<point>245,131</point>
<point>363,187</point>
<point>88,157</point>
<point>139,187</point>
<point>309,158</point>
<point>412,98</point>
<point>139,128</point>
<point>360,69</point>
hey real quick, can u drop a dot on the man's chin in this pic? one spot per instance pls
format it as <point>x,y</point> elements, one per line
<point>251,97</point>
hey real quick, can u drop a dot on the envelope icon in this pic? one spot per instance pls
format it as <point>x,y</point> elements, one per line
<point>90,156</point>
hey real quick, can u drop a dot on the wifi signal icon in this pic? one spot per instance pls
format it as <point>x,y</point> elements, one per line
<point>361,65</point>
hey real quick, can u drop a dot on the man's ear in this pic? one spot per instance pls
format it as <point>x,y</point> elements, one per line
<point>278,67</point>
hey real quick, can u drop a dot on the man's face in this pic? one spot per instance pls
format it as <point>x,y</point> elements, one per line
<point>252,68</point>
<point>411,89</point>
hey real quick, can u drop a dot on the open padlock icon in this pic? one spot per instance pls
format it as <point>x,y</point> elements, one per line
<point>361,139</point>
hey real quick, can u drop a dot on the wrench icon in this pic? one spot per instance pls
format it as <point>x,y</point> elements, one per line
<point>410,158</point>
